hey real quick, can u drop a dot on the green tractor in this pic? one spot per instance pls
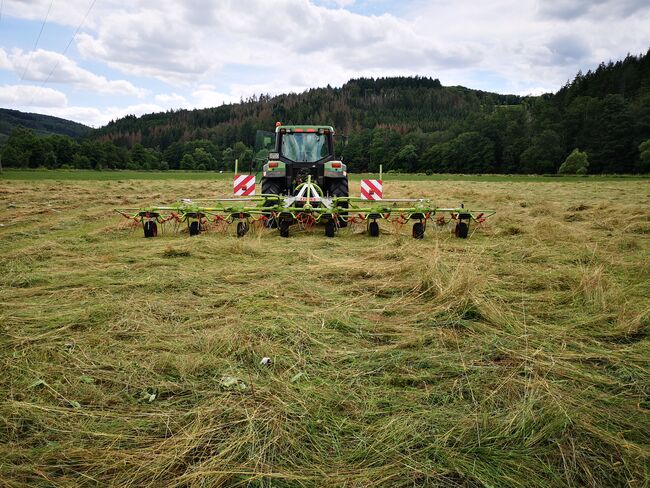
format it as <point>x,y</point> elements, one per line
<point>302,153</point>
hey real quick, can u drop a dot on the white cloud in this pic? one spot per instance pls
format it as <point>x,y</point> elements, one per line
<point>197,47</point>
<point>172,100</point>
<point>30,96</point>
<point>41,65</point>
<point>209,98</point>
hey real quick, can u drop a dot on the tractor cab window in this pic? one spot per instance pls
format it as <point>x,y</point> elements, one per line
<point>304,147</point>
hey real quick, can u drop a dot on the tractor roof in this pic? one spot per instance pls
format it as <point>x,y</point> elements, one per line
<point>304,128</point>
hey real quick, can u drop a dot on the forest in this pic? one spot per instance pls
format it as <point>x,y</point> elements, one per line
<point>598,123</point>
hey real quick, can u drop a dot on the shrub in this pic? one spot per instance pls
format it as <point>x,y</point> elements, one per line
<point>576,163</point>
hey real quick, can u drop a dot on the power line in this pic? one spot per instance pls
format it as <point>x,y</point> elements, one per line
<point>70,41</point>
<point>83,21</point>
<point>37,39</point>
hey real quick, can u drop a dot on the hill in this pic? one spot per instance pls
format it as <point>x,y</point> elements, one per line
<point>406,124</point>
<point>41,124</point>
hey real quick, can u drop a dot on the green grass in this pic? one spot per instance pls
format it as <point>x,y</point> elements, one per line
<point>518,357</point>
<point>117,175</point>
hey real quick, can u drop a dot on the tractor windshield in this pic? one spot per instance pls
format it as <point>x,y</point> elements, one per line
<point>304,147</point>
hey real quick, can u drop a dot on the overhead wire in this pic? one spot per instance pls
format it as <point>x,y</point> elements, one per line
<point>38,38</point>
<point>63,53</point>
<point>83,21</point>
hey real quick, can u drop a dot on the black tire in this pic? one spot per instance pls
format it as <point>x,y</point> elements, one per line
<point>373,229</point>
<point>150,229</point>
<point>330,228</point>
<point>418,230</point>
<point>195,228</point>
<point>272,186</point>
<point>284,227</point>
<point>242,229</point>
<point>338,187</point>
<point>461,230</point>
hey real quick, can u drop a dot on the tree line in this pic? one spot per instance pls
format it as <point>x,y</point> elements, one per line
<point>408,124</point>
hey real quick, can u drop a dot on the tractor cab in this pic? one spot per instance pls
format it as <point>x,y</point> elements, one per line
<point>302,151</point>
<point>310,146</point>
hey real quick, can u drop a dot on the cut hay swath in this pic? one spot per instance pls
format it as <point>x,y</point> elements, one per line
<point>307,207</point>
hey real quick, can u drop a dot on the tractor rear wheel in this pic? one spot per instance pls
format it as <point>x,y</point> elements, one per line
<point>271,186</point>
<point>150,229</point>
<point>461,230</point>
<point>338,187</point>
<point>195,228</point>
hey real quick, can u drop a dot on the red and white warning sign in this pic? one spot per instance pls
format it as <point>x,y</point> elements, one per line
<point>244,185</point>
<point>371,189</point>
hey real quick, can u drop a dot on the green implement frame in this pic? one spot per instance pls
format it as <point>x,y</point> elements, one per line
<point>306,210</point>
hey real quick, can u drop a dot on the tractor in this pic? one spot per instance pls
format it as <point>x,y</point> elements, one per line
<point>301,152</point>
<point>304,183</point>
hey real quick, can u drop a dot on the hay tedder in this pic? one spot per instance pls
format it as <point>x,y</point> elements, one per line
<point>303,185</point>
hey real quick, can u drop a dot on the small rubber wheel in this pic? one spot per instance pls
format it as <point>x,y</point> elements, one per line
<point>418,230</point>
<point>461,230</point>
<point>330,228</point>
<point>242,229</point>
<point>284,227</point>
<point>373,229</point>
<point>195,228</point>
<point>150,229</point>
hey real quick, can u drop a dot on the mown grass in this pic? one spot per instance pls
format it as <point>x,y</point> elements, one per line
<point>518,357</point>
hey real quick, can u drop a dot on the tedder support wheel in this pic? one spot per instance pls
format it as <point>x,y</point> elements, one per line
<point>330,228</point>
<point>242,229</point>
<point>373,229</point>
<point>195,228</point>
<point>461,230</point>
<point>284,227</point>
<point>418,230</point>
<point>150,229</point>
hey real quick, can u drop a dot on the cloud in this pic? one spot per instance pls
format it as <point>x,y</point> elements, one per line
<point>208,52</point>
<point>173,100</point>
<point>31,96</point>
<point>209,98</point>
<point>95,117</point>
<point>574,9</point>
<point>40,64</point>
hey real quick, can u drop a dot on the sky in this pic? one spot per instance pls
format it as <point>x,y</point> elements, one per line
<point>93,61</point>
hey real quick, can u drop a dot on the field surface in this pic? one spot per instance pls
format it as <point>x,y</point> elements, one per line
<point>519,357</point>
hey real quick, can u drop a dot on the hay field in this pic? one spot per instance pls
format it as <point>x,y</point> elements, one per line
<point>519,357</point>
